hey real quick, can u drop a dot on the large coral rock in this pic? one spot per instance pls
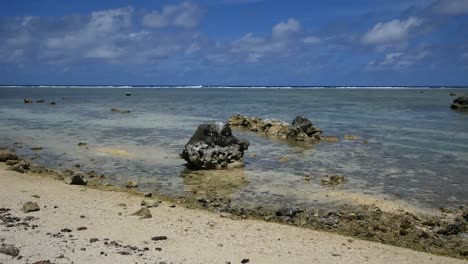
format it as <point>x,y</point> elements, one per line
<point>461,103</point>
<point>214,147</point>
<point>301,128</point>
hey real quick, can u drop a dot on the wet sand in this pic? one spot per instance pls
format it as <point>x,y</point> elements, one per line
<point>111,235</point>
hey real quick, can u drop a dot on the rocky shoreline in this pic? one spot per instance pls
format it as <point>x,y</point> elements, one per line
<point>445,234</point>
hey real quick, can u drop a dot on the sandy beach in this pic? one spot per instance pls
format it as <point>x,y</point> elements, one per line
<point>77,224</point>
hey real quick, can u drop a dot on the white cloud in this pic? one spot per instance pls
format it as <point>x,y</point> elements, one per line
<point>101,27</point>
<point>103,52</point>
<point>285,28</point>
<point>311,40</point>
<point>398,60</point>
<point>451,7</point>
<point>389,32</point>
<point>185,15</point>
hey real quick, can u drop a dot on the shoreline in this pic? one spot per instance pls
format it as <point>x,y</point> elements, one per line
<point>193,236</point>
<point>387,225</point>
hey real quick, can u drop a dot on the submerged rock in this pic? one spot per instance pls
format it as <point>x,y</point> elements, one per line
<point>40,101</point>
<point>115,110</point>
<point>214,147</point>
<point>461,103</point>
<point>301,128</point>
<point>333,180</point>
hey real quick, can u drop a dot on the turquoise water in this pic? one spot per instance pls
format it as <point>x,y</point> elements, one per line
<point>417,148</point>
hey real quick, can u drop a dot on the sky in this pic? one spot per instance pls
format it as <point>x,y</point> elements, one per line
<point>235,42</point>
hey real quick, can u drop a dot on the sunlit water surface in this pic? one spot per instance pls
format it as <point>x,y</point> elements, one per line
<point>416,151</point>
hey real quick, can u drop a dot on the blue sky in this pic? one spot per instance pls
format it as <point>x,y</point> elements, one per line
<point>234,42</point>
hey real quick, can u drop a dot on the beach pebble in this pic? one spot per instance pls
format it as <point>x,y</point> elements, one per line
<point>30,207</point>
<point>245,260</point>
<point>158,238</point>
<point>82,228</point>
<point>43,262</point>
<point>74,180</point>
<point>143,213</point>
<point>92,240</point>
<point>65,230</point>
<point>9,250</point>
<point>147,194</point>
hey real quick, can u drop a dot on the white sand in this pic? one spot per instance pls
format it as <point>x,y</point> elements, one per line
<point>193,236</point>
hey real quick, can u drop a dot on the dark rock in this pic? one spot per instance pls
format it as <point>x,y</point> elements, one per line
<point>461,103</point>
<point>147,194</point>
<point>28,100</point>
<point>453,94</point>
<point>303,125</point>
<point>243,261</point>
<point>11,162</point>
<point>453,229</point>
<point>82,144</point>
<point>65,230</point>
<point>7,155</point>
<point>52,103</point>
<point>126,253</point>
<point>214,147</point>
<point>30,207</point>
<point>333,180</point>
<point>301,128</point>
<point>128,94</point>
<point>21,166</point>
<point>331,219</point>
<point>288,211</point>
<point>9,250</point>
<point>36,148</point>
<point>115,110</point>
<point>92,240</point>
<point>82,228</point>
<point>74,180</point>
<point>143,213</point>
<point>39,101</point>
<point>158,238</point>
<point>43,262</point>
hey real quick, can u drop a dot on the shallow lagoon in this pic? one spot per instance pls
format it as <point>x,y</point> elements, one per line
<point>416,151</point>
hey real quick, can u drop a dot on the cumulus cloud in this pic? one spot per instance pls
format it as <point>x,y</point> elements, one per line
<point>398,60</point>
<point>286,38</point>
<point>451,7</point>
<point>392,31</point>
<point>283,29</point>
<point>110,36</point>
<point>185,15</point>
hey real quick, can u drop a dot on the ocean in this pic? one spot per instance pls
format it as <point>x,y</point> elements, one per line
<point>415,149</point>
